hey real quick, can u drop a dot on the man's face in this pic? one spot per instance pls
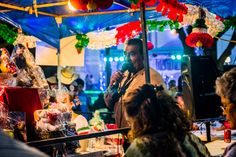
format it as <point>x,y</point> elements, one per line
<point>133,55</point>
<point>80,88</point>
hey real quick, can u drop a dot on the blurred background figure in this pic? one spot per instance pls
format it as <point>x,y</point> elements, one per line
<point>89,82</point>
<point>82,101</point>
<point>99,103</point>
<point>172,88</point>
<point>226,89</point>
<point>159,127</point>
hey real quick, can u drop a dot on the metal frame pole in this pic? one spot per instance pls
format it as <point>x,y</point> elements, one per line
<point>144,38</point>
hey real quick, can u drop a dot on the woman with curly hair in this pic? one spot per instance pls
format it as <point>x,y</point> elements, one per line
<point>226,89</point>
<point>159,128</point>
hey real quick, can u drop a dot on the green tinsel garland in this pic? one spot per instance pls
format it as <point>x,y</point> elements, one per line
<point>82,42</point>
<point>230,22</point>
<point>7,34</point>
<point>134,1</point>
<point>160,25</point>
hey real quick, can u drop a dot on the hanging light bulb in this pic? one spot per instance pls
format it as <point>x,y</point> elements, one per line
<point>70,6</point>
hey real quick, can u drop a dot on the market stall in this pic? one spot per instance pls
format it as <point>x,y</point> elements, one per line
<point>50,22</point>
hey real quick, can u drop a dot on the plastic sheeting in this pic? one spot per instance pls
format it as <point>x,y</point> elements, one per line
<point>46,28</point>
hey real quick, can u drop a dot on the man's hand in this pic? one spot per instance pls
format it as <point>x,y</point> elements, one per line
<point>116,77</point>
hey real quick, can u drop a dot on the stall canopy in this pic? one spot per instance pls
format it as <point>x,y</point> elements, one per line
<point>40,18</point>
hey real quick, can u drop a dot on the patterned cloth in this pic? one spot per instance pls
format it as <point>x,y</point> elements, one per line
<point>164,145</point>
<point>230,151</point>
<point>134,82</point>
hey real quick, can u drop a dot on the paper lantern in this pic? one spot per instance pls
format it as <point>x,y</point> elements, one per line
<point>103,4</point>
<point>199,40</point>
<point>199,36</point>
<point>79,4</point>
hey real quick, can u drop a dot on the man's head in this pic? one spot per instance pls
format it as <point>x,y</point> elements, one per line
<point>134,53</point>
<point>80,86</point>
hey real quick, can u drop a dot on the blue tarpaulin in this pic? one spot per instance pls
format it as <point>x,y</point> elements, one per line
<point>46,28</point>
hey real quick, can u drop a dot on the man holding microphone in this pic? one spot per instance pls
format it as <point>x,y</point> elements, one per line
<point>130,77</point>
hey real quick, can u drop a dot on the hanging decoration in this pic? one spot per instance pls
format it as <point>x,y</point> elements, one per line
<point>128,31</point>
<point>82,42</point>
<point>6,65</point>
<point>85,5</point>
<point>7,34</point>
<point>27,41</point>
<point>108,39</point>
<point>150,45</point>
<point>173,9</point>
<point>199,36</point>
<point>213,22</point>
<point>160,25</point>
<point>136,3</point>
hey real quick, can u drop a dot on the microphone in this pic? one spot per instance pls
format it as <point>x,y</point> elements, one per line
<point>126,66</point>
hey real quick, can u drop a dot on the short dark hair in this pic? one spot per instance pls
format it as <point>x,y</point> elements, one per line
<point>80,81</point>
<point>138,42</point>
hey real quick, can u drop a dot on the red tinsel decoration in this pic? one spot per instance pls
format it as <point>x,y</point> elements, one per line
<point>219,18</point>
<point>147,2</point>
<point>205,39</point>
<point>173,8</point>
<point>128,31</point>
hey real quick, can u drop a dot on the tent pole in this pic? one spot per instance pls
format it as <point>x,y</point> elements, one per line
<point>59,21</point>
<point>58,69</point>
<point>144,38</point>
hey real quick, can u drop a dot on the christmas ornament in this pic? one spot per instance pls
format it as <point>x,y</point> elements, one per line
<point>82,42</point>
<point>85,5</point>
<point>199,36</point>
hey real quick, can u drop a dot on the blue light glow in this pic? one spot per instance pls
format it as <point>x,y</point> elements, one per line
<point>173,57</point>
<point>178,57</point>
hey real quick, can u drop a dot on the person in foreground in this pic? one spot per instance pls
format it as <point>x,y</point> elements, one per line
<point>159,128</point>
<point>226,89</point>
<point>131,76</point>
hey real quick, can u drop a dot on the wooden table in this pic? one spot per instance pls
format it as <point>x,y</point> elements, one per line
<point>217,147</point>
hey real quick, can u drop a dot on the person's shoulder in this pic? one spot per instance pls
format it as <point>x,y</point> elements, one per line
<point>194,145</point>
<point>230,151</point>
<point>155,74</point>
<point>136,148</point>
<point>10,147</point>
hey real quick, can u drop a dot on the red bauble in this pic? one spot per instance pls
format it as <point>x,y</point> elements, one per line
<point>150,45</point>
<point>103,4</point>
<point>79,4</point>
<point>205,39</point>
